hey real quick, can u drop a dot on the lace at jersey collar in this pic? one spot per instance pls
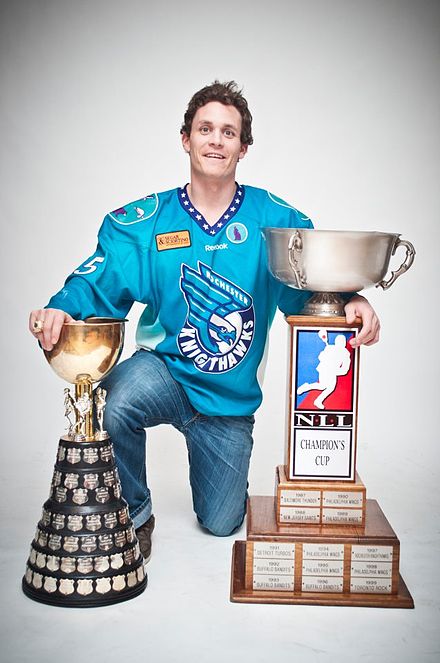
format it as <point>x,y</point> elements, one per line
<point>200,219</point>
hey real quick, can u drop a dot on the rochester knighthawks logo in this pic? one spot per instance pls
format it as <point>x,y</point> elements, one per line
<point>220,323</point>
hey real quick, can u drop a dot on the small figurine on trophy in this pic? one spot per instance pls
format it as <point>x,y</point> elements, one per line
<point>69,410</point>
<point>100,397</point>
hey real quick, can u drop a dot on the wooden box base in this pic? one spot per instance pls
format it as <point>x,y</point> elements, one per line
<point>333,560</point>
<point>319,502</point>
<point>240,594</point>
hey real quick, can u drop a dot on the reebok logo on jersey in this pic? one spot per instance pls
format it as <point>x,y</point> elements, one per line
<point>215,247</point>
<point>220,322</point>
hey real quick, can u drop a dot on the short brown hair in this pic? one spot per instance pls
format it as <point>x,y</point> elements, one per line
<point>228,94</point>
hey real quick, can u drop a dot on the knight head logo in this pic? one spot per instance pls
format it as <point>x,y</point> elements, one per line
<point>220,320</point>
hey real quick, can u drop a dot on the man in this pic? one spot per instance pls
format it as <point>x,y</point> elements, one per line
<point>196,257</point>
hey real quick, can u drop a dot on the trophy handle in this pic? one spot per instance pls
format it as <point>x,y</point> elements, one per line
<point>295,244</point>
<point>406,264</point>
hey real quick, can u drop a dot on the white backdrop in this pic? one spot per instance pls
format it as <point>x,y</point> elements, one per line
<point>345,98</point>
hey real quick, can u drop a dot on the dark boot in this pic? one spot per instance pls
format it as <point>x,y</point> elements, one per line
<point>143,534</point>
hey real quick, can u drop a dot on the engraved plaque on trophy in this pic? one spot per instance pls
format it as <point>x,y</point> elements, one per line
<point>342,550</point>
<point>85,552</point>
<point>325,502</point>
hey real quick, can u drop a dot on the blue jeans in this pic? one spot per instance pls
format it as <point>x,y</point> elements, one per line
<point>141,393</point>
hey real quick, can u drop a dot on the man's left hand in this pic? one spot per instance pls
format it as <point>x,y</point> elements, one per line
<point>359,307</point>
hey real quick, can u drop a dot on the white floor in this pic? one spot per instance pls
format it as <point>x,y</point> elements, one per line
<point>185,613</point>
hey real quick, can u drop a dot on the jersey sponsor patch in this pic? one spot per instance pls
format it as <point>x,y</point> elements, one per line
<point>220,323</point>
<point>179,239</point>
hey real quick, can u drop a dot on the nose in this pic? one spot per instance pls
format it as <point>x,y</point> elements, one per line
<point>216,137</point>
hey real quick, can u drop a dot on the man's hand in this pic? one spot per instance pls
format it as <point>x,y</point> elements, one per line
<point>359,307</point>
<point>45,324</point>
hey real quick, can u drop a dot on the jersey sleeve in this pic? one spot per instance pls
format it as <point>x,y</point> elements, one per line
<point>110,280</point>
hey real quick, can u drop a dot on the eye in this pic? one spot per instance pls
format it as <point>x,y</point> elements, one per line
<point>204,130</point>
<point>229,133</point>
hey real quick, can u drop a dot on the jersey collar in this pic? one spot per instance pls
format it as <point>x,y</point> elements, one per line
<point>227,216</point>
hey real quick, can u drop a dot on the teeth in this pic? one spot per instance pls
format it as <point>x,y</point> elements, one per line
<point>215,156</point>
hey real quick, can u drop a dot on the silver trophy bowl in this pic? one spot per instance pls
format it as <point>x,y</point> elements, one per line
<point>329,262</point>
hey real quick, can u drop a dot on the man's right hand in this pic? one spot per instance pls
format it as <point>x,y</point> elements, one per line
<point>50,321</point>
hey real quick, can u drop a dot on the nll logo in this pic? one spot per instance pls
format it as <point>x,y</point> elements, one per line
<point>220,322</point>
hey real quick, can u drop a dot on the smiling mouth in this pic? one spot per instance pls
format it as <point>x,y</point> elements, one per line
<point>214,155</point>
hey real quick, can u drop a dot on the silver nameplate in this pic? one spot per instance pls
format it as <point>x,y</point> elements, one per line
<point>342,498</point>
<point>372,553</point>
<point>277,583</point>
<point>71,480</point>
<point>90,456</point>
<point>321,584</point>
<point>323,551</point>
<point>371,585</point>
<point>313,567</point>
<point>274,550</point>
<point>300,498</point>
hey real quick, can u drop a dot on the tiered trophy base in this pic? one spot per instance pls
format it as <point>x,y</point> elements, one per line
<point>85,552</point>
<point>318,565</point>
<point>79,601</point>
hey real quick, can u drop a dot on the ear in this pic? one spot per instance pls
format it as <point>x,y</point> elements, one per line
<point>243,151</point>
<point>185,142</point>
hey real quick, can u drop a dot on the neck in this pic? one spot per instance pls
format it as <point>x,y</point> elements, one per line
<point>211,198</point>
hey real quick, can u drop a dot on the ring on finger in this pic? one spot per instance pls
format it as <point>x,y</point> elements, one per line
<point>38,326</point>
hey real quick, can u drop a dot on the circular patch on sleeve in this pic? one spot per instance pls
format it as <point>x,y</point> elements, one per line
<point>139,210</point>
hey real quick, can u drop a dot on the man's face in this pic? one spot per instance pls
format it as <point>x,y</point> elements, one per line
<point>214,144</point>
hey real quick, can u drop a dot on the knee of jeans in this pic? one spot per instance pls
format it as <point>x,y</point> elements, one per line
<point>118,414</point>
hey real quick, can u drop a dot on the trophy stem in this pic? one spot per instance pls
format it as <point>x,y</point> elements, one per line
<point>325,304</point>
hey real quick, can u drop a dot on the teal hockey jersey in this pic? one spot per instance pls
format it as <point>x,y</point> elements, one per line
<point>210,299</point>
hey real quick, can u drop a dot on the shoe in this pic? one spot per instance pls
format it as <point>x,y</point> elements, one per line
<point>143,534</point>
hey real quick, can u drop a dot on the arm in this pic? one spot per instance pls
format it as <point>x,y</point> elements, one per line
<point>98,287</point>
<point>359,307</point>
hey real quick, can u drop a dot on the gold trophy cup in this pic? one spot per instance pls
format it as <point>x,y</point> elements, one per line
<point>85,552</point>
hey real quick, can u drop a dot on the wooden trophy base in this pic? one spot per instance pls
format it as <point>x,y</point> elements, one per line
<point>319,502</point>
<point>239,593</point>
<point>321,564</point>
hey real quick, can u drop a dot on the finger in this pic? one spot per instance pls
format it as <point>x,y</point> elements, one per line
<point>60,317</point>
<point>375,338</point>
<point>36,320</point>
<point>45,337</point>
<point>350,314</point>
<point>369,333</point>
<point>53,323</point>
